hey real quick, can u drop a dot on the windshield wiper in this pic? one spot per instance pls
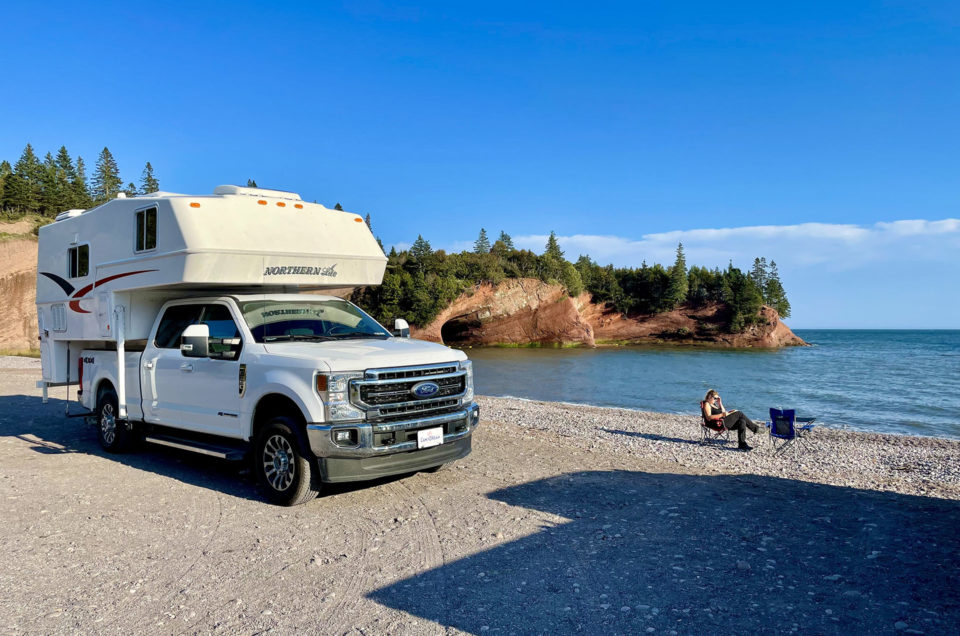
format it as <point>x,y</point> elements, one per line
<point>297,337</point>
<point>358,334</point>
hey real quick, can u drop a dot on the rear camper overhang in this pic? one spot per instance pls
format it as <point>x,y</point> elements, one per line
<point>129,255</point>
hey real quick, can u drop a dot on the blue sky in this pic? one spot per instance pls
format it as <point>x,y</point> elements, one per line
<point>808,133</point>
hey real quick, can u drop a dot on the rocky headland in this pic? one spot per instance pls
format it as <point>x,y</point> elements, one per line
<point>528,311</point>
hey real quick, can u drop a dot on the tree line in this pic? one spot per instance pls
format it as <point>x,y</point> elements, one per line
<point>421,282</point>
<point>58,183</point>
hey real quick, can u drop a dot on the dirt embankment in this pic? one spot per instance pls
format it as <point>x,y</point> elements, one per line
<point>18,287</point>
<point>525,311</point>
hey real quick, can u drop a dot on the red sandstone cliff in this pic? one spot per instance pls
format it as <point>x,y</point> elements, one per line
<point>523,311</point>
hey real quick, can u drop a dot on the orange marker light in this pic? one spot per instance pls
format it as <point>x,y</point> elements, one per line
<point>358,220</point>
<point>281,204</point>
<point>262,202</point>
<point>194,204</point>
<point>299,206</point>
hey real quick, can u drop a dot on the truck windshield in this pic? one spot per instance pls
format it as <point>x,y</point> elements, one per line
<point>308,320</point>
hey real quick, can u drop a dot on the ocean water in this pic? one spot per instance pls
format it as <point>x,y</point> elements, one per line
<point>898,381</point>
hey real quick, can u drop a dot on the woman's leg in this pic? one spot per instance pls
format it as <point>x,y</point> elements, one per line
<point>734,422</point>
<point>748,422</point>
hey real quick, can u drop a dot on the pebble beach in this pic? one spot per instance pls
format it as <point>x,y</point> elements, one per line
<point>872,461</point>
<point>564,519</point>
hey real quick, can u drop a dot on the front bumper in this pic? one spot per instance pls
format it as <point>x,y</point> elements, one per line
<point>367,460</point>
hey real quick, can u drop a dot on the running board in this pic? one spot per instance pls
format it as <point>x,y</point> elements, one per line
<point>211,450</point>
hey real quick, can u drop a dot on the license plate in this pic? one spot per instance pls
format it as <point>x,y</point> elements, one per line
<point>429,437</point>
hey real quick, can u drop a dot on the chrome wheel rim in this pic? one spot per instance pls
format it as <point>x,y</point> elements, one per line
<point>278,462</point>
<point>108,424</point>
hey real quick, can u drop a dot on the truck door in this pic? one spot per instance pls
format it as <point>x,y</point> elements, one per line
<point>163,374</point>
<point>196,394</point>
<point>212,400</point>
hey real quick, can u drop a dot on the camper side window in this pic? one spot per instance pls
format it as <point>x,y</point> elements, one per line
<point>146,230</point>
<point>78,259</point>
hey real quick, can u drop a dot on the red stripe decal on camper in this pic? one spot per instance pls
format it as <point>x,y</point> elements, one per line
<point>80,293</point>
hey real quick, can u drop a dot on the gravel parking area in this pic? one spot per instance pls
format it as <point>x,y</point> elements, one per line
<point>564,519</point>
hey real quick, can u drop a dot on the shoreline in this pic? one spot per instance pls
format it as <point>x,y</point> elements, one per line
<point>873,461</point>
<point>819,425</point>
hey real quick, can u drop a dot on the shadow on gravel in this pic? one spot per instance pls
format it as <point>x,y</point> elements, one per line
<point>45,427</point>
<point>667,553</point>
<point>720,443</point>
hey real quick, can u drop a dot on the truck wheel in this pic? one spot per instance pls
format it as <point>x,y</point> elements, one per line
<point>282,467</point>
<point>113,434</point>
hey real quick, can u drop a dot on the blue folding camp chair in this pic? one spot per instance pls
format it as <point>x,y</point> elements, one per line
<point>784,431</point>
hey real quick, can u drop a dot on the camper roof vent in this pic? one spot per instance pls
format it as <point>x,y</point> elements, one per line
<point>256,192</point>
<point>69,214</point>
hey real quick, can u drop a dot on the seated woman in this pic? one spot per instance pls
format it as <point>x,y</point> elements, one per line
<point>715,416</point>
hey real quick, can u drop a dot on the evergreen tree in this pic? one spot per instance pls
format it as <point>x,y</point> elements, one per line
<point>679,284</point>
<point>54,188</point>
<point>22,188</point>
<point>65,163</point>
<point>506,240</point>
<point>482,244</point>
<point>774,293</point>
<point>421,249</point>
<point>5,171</point>
<point>130,190</point>
<point>106,177</point>
<point>758,274</point>
<point>78,187</point>
<point>369,224</point>
<point>251,183</point>
<point>338,207</point>
<point>148,182</point>
<point>553,247</point>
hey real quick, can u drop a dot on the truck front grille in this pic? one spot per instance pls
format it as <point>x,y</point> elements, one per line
<point>387,394</point>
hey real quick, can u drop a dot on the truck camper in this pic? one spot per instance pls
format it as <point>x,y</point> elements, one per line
<point>199,323</point>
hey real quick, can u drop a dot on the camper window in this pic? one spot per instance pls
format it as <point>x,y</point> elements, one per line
<point>78,259</point>
<point>146,230</point>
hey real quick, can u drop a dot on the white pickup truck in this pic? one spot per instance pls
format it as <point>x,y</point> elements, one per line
<point>309,387</point>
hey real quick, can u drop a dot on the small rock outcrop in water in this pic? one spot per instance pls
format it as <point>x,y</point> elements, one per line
<point>528,311</point>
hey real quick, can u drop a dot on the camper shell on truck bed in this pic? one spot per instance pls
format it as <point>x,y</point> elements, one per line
<point>133,298</point>
<point>134,254</point>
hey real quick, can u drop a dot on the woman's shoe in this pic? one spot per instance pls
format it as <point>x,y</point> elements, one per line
<point>744,446</point>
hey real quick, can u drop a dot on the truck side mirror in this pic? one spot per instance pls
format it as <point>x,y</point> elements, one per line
<point>195,341</point>
<point>401,328</point>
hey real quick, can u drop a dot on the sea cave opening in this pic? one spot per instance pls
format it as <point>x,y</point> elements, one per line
<point>461,330</point>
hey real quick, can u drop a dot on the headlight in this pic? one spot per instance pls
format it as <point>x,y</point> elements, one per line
<point>467,366</point>
<point>334,390</point>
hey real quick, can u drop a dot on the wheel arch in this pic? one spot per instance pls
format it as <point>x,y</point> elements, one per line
<point>271,405</point>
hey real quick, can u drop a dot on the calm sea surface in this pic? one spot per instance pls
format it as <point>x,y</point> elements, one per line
<point>905,382</point>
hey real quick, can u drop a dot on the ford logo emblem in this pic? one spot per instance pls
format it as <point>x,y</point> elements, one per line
<point>425,389</point>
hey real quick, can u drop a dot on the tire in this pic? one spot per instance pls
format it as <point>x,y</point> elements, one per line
<point>286,473</point>
<point>113,435</point>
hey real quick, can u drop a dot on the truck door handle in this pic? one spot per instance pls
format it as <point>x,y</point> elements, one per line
<point>147,365</point>
<point>186,367</point>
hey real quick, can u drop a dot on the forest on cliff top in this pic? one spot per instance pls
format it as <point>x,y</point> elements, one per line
<point>420,282</point>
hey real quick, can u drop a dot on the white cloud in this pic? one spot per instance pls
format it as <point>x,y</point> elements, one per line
<point>836,246</point>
